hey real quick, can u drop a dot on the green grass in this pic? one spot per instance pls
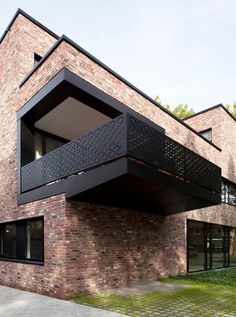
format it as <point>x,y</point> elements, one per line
<point>226,277</point>
<point>209,294</point>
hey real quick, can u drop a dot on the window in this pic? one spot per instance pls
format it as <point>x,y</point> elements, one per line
<point>45,143</point>
<point>214,247</point>
<point>207,134</point>
<point>37,58</point>
<point>228,192</point>
<point>9,240</point>
<point>22,240</point>
<point>34,235</point>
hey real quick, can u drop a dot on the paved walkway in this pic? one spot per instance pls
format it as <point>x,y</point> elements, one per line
<point>146,287</point>
<point>16,303</point>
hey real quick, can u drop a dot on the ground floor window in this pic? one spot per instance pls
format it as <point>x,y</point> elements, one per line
<point>210,246</point>
<point>22,240</point>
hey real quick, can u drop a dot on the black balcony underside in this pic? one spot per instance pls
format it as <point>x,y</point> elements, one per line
<point>129,184</point>
<point>127,163</point>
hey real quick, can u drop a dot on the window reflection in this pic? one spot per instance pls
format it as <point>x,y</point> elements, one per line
<point>232,247</point>
<point>210,246</point>
<point>228,192</point>
<point>196,246</point>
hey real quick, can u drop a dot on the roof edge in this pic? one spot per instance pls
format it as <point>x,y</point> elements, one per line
<point>220,105</point>
<point>31,19</point>
<point>94,59</point>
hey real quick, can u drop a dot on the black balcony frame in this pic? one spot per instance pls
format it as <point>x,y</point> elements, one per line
<point>145,153</point>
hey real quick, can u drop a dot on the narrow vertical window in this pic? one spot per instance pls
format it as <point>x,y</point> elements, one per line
<point>1,240</point>
<point>34,233</point>
<point>9,237</point>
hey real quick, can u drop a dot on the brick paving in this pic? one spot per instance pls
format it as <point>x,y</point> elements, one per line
<point>175,301</point>
<point>181,308</point>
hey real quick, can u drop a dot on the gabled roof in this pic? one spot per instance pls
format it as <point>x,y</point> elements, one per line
<point>209,109</point>
<point>94,59</point>
<point>27,16</point>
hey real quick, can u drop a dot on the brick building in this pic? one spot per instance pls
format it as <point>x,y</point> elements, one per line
<point>101,186</point>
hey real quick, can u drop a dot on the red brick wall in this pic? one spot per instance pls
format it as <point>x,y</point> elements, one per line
<point>110,247</point>
<point>223,134</point>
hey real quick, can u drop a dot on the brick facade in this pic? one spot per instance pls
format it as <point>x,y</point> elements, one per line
<point>88,247</point>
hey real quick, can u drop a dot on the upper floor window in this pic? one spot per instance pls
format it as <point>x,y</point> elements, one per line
<point>37,58</point>
<point>228,192</point>
<point>207,134</point>
<point>45,143</point>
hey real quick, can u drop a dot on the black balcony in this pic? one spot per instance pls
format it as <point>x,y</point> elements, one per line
<point>128,163</point>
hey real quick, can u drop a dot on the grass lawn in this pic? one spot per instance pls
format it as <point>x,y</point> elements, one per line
<point>211,294</point>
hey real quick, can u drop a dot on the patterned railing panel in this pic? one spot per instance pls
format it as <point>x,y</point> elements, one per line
<point>94,148</point>
<point>125,135</point>
<point>157,149</point>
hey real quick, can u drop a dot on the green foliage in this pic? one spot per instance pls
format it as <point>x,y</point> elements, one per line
<point>232,109</point>
<point>181,111</point>
<point>224,277</point>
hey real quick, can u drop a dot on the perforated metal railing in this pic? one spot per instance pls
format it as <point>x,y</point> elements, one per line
<point>123,136</point>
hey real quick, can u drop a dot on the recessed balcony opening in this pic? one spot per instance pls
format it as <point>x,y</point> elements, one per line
<point>66,122</point>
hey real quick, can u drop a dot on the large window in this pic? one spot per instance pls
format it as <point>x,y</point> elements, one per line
<point>22,240</point>
<point>45,143</point>
<point>228,192</point>
<point>210,246</point>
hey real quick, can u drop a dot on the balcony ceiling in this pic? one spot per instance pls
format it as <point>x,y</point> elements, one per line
<point>70,119</point>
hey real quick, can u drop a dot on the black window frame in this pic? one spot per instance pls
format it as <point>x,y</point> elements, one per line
<point>225,192</point>
<point>206,131</point>
<point>208,265</point>
<point>37,58</point>
<point>21,241</point>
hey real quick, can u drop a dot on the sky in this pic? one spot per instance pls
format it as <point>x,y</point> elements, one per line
<point>184,51</point>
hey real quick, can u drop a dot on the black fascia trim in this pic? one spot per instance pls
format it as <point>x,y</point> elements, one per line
<point>78,184</point>
<point>43,92</point>
<point>209,109</point>
<point>30,18</point>
<point>94,59</point>
<point>43,192</point>
<point>41,263</point>
<point>170,181</point>
<point>65,84</point>
<point>97,176</point>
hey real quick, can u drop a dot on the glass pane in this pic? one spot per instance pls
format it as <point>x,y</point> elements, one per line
<point>196,254</point>
<point>217,246</point>
<point>35,240</point>
<point>38,145</point>
<point>1,241</point>
<point>223,191</point>
<point>208,246</point>
<point>52,144</point>
<point>232,247</point>
<point>207,134</point>
<point>232,194</point>
<point>10,240</point>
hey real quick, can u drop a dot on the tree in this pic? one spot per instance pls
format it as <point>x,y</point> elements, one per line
<point>181,111</point>
<point>232,109</point>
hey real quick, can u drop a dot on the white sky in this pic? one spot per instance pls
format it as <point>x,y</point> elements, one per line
<point>182,50</point>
